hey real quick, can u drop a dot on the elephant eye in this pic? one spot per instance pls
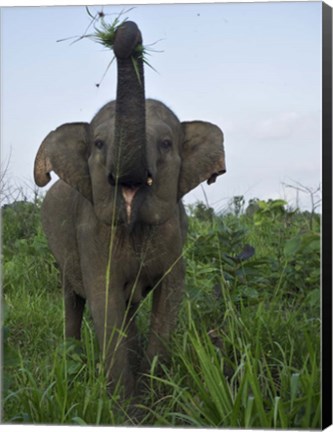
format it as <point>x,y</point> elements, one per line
<point>166,144</point>
<point>99,144</point>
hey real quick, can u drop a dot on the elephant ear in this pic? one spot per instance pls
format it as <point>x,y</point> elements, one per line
<point>202,155</point>
<point>65,151</point>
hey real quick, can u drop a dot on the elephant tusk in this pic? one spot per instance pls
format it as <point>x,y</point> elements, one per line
<point>149,181</point>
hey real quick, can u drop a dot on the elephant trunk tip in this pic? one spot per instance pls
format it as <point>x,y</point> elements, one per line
<point>127,38</point>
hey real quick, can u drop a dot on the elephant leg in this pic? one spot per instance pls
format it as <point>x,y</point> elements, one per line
<point>74,307</point>
<point>167,298</point>
<point>110,326</point>
<point>133,343</point>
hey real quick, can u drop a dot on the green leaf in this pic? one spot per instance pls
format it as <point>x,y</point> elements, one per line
<point>294,386</point>
<point>311,242</point>
<point>292,246</point>
<point>248,412</point>
<point>79,421</point>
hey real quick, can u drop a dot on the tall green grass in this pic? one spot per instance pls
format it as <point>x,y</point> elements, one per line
<point>246,352</point>
<point>249,386</point>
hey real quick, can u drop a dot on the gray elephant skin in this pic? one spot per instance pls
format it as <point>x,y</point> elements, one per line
<point>115,221</point>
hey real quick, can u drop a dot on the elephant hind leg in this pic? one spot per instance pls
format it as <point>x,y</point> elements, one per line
<point>74,307</point>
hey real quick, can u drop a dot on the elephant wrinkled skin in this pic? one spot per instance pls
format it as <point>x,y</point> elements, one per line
<point>117,230</point>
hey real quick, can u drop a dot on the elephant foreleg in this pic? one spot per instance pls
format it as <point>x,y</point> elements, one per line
<point>166,302</point>
<point>110,325</point>
<point>133,342</point>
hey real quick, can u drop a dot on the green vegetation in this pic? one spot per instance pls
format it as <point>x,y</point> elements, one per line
<point>104,33</point>
<point>246,352</point>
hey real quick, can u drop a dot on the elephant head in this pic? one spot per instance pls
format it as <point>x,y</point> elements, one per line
<point>135,160</point>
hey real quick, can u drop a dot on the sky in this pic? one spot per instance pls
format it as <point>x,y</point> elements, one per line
<point>254,69</point>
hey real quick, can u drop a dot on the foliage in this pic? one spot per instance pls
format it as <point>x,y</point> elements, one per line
<point>104,33</point>
<point>246,352</point>
<point>238,203</point>
<point>25,250</point>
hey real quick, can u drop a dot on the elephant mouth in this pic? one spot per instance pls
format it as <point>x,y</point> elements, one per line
<point>129,192</point>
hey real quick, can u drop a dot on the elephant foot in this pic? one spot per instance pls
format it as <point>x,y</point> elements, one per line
<point>136,412</point>
<point>123,387</point>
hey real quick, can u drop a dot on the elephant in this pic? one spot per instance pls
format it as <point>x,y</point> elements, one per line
<point>115,221</point>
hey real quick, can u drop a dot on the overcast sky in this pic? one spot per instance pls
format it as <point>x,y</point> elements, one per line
<point>253,69</point>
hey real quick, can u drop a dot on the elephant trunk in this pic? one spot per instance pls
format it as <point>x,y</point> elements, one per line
<point>129,162</point>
